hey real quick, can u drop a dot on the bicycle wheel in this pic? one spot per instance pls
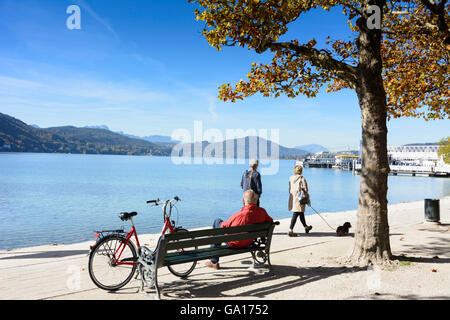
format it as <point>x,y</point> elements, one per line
<point>183,269</point>
<point>107,273</point>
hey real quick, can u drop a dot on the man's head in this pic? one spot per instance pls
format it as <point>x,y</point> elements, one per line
<point>254,164</point>
<point>250,197</point>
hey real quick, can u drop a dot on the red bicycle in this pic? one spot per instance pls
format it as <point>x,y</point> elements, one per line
<point>113,258</point>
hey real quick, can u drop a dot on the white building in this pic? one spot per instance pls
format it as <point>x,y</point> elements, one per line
<point>425,155</point>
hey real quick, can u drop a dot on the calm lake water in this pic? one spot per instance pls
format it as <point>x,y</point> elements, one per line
<point>62,198</point>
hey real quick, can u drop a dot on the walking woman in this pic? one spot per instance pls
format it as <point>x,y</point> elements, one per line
<point>298,183</point>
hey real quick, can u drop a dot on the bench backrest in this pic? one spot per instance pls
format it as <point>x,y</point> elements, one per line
<point>191,239</point>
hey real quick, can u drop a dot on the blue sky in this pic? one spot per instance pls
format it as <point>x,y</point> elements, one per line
<point>143,67</point>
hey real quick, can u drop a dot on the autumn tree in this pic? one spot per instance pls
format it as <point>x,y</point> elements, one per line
<point>444,149</point>
<point>396,62</point>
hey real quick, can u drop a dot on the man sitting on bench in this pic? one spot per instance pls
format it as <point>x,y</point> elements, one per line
<point>249,214</point>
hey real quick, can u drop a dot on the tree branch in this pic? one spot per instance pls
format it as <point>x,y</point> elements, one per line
<point>317,58</point>
<point>438,9</point>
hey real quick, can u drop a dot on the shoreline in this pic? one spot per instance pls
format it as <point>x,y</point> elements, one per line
<point>308,215</point>
<point>330,215</point>
<point>135,155</point>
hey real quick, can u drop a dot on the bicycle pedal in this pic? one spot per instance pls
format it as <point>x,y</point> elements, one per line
<point>260,254</point>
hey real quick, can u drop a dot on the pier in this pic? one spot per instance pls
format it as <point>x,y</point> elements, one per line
<point>414,160</point>
<point>343,161</point>
<point>317,164</point>
<point>430,171</point>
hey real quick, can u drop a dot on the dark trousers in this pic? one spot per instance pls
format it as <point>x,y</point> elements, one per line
<point>259,197</point>
<point>294,219</point>
<point>216,225</point>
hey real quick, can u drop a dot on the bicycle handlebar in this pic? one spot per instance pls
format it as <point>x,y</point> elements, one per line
<point>176,198</point>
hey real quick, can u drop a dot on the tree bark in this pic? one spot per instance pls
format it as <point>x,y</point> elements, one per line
<point>372,230</point>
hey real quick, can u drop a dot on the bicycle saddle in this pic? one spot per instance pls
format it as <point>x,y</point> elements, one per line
<point>124,216</point>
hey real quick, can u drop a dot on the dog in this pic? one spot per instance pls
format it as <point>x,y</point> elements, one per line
<point>343,230</point>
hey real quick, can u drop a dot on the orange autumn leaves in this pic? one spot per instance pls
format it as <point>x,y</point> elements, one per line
<point>287,74</point>
<point>416,65</point>
<point>416,71</point>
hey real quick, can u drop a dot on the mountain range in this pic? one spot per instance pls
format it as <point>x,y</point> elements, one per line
<point>17,136</point>
<point>165,140</point>
<point>252,147</point>
<point>312,148</point>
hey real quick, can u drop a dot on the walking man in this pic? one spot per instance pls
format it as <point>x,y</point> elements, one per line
<point>251,179</point>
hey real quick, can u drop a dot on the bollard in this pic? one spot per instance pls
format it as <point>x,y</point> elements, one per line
<point>432,213</point>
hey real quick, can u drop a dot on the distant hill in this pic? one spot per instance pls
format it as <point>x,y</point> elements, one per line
<point>160,139</point>
<point>312,148</point>
<point>157,139</point>
<point>17,136</point>
<point>97,127</point>
<point>212,148</point>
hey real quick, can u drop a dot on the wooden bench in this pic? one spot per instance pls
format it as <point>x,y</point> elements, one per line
<point>187,242</point>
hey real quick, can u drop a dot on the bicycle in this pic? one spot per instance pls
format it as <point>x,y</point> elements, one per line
<point>113,259</point>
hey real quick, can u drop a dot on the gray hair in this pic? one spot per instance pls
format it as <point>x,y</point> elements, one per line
<point>253,163</point>
<point>250,197</point>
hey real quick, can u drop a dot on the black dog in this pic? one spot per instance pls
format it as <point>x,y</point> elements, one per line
<point>343,230</point>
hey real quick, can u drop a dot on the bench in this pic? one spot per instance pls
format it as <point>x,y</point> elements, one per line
<point>196,245</point>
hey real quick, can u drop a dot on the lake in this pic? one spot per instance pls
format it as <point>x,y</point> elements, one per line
<point>62,198</point>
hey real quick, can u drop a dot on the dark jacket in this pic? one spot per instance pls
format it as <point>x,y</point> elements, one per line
<point>251,180</point>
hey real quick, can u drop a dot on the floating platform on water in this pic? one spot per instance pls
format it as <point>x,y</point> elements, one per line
<point>421,171</point>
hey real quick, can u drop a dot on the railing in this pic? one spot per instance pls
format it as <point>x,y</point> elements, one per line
<point>399,168</point>
<point>439,169</point>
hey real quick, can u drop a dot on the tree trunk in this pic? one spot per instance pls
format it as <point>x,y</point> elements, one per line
<point>372,230</point>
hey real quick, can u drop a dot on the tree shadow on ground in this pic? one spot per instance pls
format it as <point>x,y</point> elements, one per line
<point>282,278</point>
<point>388,296</point>
<point>421,259</point>
<point>47,254</point>
<point>438,246</point>
<point>312,234</point>
<point>441,228</point>
<point>324,234</point>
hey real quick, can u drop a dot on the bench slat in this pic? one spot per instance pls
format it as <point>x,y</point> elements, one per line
<point>208,232</point>
<point>202,254</point>
<point>190,243</point>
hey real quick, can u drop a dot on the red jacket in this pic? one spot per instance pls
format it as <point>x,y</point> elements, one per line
<point>249,214</point>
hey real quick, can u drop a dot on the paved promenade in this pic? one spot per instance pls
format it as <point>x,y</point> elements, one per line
<point>306,267</point>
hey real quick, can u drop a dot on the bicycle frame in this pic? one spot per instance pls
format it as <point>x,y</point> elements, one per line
<point>167,225</point>
<point>122,246</point>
